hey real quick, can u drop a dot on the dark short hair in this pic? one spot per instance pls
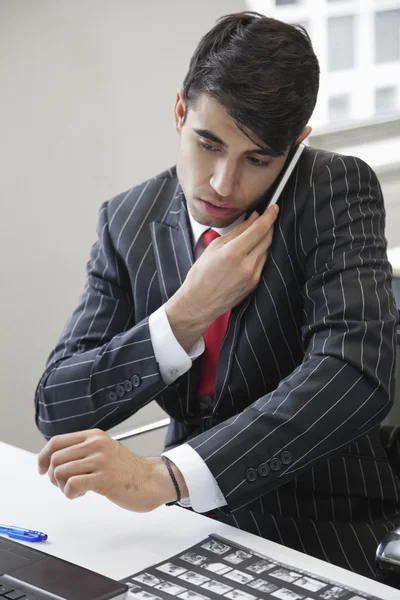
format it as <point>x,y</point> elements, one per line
<point>262,71</point>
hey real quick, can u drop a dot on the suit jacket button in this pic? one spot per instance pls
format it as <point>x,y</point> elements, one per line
<point>136,381</point>
<point>263,469</point>
<point>286,458</point>
<point>251,475</point>
<point>275,464</point>
<point>112,396</point>
<point>120,390</point>
<point>128,385</point>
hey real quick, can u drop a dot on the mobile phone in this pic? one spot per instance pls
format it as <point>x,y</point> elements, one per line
<point>282,179</point>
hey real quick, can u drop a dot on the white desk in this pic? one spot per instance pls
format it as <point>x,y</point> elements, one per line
<point>94,533</point>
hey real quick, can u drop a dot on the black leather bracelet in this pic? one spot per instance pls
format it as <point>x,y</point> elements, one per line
<point>174,481</point>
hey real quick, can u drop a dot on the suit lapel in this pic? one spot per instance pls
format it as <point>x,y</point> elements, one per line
<point>173,251</point>
<point>172,248</point>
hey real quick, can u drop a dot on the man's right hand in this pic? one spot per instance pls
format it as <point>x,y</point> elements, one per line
<point>226,273</point>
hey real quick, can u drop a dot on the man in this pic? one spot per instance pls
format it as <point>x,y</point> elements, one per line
<point>271,347</point>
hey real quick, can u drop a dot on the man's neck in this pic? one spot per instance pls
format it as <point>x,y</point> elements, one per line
<point>198,229</point>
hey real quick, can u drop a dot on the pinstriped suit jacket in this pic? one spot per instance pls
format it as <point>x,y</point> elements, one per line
<point>306,367</point>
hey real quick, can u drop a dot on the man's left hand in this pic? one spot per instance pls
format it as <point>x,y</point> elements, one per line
<point>91,461</point>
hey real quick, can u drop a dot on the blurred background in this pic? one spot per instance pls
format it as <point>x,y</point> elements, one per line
<point>87,94</point>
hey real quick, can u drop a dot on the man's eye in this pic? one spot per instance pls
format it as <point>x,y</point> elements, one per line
<point>258,162</point>
<point>208,147</point>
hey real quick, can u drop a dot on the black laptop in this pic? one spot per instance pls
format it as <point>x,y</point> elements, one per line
<point>28,574</point>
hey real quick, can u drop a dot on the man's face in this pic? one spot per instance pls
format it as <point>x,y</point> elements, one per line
<point>222,172</point>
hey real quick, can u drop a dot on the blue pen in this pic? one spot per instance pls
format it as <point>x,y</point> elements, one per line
<point>27,535</point>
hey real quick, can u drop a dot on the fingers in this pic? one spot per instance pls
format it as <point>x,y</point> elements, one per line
<point>263,246</point>
<point>253,235</point>
<point>259,266</point>
<point>261,231</point>
<point>78,485</point>
<point>258,256</point>
<point>60,475</point>
<point>239,229</point>
<point>58,442</point>
<point>65,456</point>
<point>80,462</point>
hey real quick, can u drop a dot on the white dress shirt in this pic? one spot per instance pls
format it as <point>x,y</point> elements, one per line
<point>173,361</point>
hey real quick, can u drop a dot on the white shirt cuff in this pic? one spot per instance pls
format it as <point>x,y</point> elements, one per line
<point>172,359</point>
<point>204,491</point>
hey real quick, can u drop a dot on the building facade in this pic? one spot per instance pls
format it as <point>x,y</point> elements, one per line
<point>358,46</point>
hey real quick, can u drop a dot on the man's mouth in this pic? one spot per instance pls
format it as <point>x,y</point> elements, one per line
<point>216,210</point>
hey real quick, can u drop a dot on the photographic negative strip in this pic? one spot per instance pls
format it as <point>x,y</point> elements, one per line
<point>334,593</point>
<point>285,575</point>
<point>133,587</point>
<point>189,595</point>
<point>216,547</point>
<point>193,558</point>
<point>309,584</point>
<point>170,588</point>
<point>220,569</point>
<point>194,578</point>
<point>260,566</point>
<point>217,587</point>
<point>239,595</point>
<point>217,567</point>
<point>237,557</point>
<point>239,576</point>
<point>147,579</point>
<point>263,586</point>
<point>143,595</point>
<point>285,594</point>
<point>171,569</point>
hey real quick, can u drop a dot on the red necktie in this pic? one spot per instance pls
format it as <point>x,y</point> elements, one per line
<point>213,338</point>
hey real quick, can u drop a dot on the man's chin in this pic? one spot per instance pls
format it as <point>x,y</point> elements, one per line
<point>216,223</point>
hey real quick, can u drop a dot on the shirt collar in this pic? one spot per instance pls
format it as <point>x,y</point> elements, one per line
<point>198,229</point>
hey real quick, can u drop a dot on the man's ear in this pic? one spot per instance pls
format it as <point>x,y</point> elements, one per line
<point>179,111</point>
<point>304,134</point>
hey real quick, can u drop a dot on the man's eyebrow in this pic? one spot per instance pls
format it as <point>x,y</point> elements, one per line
<point>209,135</point>
<point>205,133</point>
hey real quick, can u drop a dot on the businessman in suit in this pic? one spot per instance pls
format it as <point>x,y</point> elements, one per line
<point>267,336</point>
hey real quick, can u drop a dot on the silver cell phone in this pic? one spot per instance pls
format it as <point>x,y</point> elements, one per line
<point>279,185</point>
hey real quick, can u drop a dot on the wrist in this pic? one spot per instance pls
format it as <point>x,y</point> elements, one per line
<point>187,323</point>
<point>162,481</point>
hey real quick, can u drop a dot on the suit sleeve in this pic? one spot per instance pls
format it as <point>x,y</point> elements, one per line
<point>344,385</point>
<point>103,368</point>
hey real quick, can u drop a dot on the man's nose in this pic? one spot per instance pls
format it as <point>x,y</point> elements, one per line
<point>224,179</point>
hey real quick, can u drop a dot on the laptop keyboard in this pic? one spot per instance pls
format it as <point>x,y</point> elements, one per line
<point>13,594</point>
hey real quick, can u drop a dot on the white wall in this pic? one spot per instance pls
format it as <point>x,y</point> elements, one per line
<point>86,107</point>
